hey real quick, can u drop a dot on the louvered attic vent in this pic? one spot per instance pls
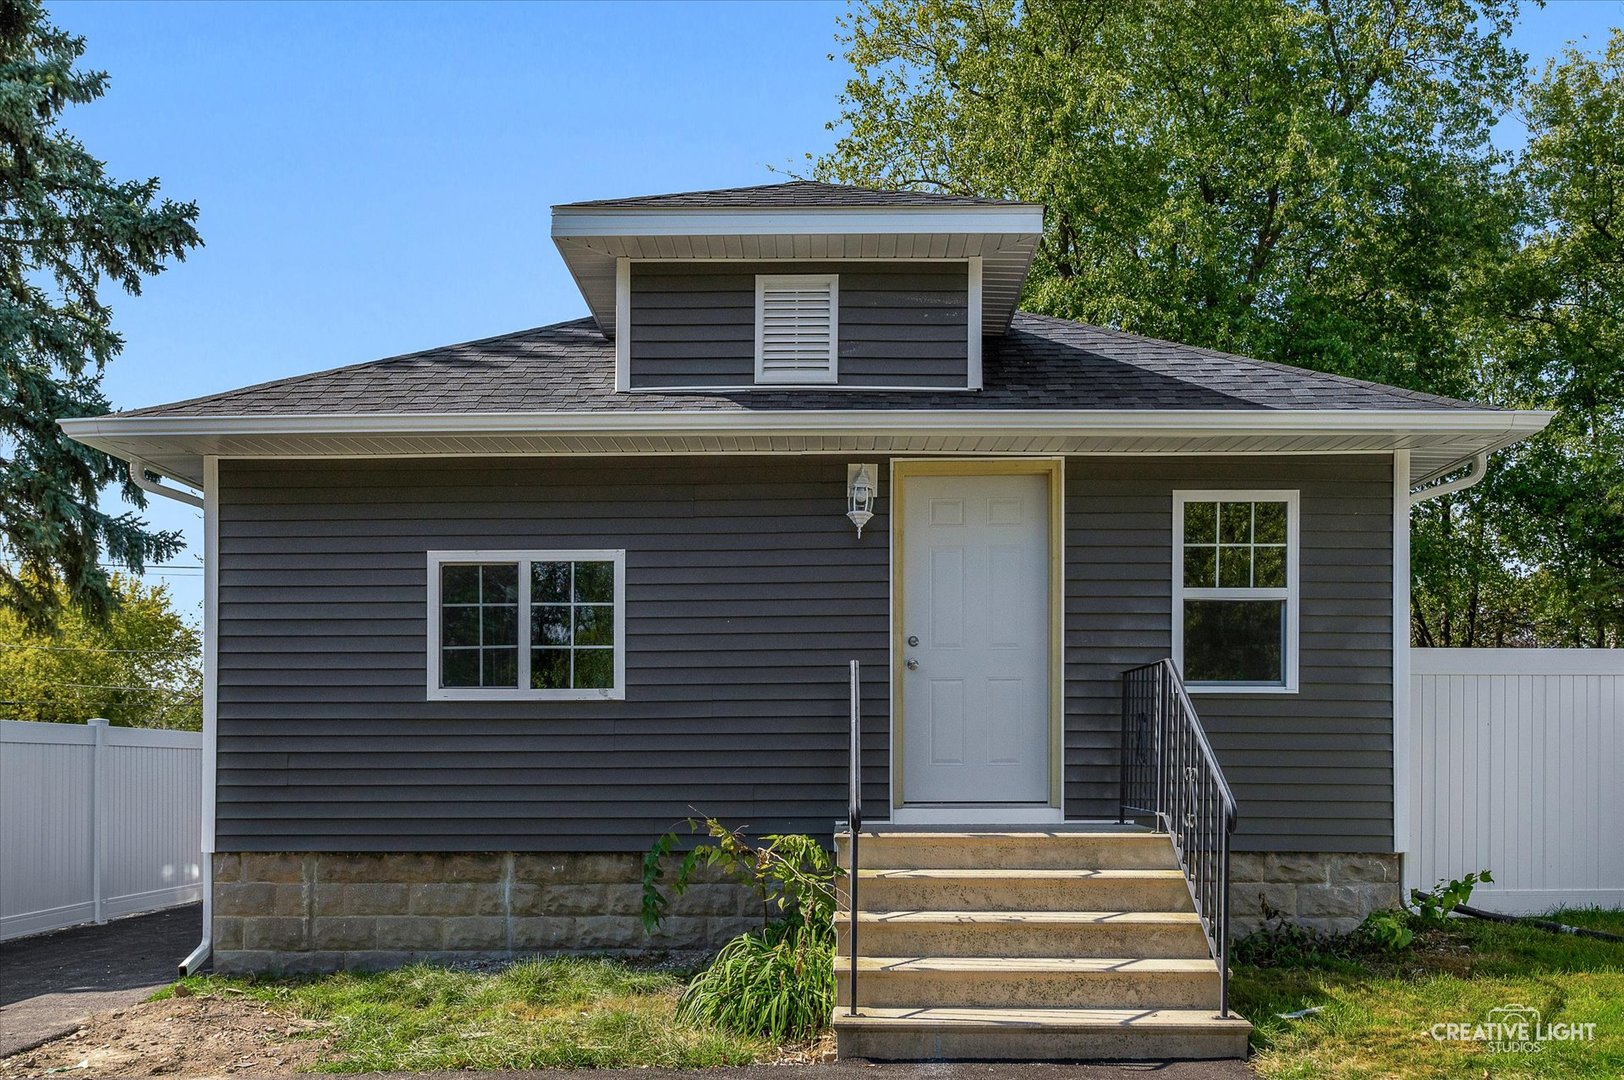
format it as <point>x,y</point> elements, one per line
<point>797,328</point>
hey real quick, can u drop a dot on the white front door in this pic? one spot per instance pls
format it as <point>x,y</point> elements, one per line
<point>974,641</point>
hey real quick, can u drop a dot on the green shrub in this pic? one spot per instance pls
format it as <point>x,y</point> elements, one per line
<point>1435,907</point>
<point>777,982</point>
<point>1387,931</point>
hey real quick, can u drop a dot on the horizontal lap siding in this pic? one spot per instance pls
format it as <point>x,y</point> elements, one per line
<point>1311,771</point>
<point>900,324</point>
<point>747,594</point>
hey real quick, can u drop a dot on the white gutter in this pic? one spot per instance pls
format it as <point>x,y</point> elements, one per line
<point>1479,464</point>
<point>824,421</point>
<point>138,470</point>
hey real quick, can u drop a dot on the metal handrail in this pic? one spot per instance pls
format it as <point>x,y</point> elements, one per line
<point>854,818</point>
<point>1170,775</point>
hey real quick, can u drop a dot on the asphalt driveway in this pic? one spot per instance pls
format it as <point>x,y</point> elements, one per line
<point>50,982</point>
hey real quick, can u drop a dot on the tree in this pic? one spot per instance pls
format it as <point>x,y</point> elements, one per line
<point>1293,179</point>
<point>1563,300</point>
<point>140,668</point>
<point>1311,182</point>
<point>67,229</point>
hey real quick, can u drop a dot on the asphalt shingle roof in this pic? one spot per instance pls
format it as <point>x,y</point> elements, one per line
<point>1042,363</point>
<point>795,193</point>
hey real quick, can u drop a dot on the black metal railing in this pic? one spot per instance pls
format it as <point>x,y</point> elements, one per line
<point>854,822</point>
<point>1170,776</point>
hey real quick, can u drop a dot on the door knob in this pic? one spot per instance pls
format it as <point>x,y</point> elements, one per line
<point>912,664</point>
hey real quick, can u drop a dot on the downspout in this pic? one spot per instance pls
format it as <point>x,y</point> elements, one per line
<point>138,477</point>
<point>138,469</point>
<point>1480,463</point>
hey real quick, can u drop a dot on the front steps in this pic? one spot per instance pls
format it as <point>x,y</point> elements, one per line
<point>1026,946</point>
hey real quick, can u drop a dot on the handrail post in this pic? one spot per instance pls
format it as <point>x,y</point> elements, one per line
<point>854,820</point>
<point>1223,926</point>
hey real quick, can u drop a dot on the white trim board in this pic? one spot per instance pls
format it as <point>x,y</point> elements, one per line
<point>211,655</point>
<point>175,444</point>
<point>1401,651</point>
<point>584,223</point>
<point>1060,421</point>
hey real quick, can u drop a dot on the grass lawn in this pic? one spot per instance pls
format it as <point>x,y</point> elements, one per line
<point>1378,1013</point>
<point>535,1014</point>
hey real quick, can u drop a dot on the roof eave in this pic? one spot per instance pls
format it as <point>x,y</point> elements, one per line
<point>176,445</point>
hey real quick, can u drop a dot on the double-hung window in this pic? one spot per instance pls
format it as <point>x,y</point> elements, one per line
<point>1235,590</point>
<point>522,625</point>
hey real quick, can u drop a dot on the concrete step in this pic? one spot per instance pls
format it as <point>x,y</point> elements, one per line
<point>1127,850</point>
<point>1146,934</point>
<point>1022,890</point>
<point>964,1034</point>
<point>1010,982</point>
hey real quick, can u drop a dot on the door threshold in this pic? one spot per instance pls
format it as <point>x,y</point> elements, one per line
<point>977,815</point>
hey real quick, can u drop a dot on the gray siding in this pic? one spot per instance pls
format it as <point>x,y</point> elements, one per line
<point>747,594</point>
<point>1312,771</point>
<point>901,324</point>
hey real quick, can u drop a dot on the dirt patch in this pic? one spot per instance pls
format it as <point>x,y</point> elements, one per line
<point>180,1037</point>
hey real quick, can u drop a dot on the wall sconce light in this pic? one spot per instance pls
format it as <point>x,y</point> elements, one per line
<point>860,491</point>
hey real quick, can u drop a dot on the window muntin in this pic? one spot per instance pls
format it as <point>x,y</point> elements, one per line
<point>508,625</point>
<point>1235,590</point>
<point>797,328</point>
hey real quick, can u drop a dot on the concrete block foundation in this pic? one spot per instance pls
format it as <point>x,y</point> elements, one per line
<point>1325,891</point>
<point>300,912</point>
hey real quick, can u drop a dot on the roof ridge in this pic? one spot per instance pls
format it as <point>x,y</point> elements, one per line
<point>1241,358</point>
<point>295,380</point>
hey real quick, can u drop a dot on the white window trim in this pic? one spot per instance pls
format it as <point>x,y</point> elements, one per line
<point>822,378</point>
<point>523,692</point>
<point>1291,594</point>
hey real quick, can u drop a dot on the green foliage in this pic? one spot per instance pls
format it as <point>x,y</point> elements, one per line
<point>1434,908</point>
<point>1246,174</point>
<point>1280,942</point>
<point>67,230</point>
<point>141,668</point>
<point>777,982</point>
<point>1388,931</point>
<point>793,874</point>
<point>1312,182</point>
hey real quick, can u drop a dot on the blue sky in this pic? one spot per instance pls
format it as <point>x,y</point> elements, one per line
<point>375,178</point>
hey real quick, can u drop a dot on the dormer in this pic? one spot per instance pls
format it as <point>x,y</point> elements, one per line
<point>799,285</point>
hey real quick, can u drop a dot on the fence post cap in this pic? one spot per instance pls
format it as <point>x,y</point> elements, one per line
<point>97,721</point>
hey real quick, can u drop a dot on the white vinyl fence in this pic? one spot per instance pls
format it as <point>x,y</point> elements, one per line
<point>1517,767</point>
<point>96,822</point>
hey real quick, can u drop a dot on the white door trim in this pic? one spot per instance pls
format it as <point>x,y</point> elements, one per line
<point>1054,468</point>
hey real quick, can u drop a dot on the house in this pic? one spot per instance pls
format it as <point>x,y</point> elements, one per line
<point>484,620</point>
